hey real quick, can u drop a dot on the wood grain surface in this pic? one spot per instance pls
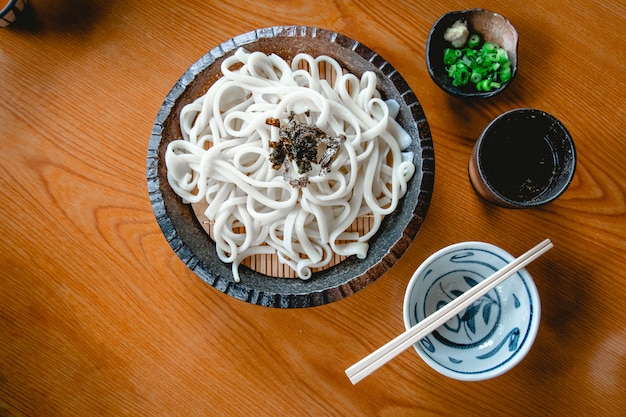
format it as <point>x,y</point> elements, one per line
<point>98,316</point>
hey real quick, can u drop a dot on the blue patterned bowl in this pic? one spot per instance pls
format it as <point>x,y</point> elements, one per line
<point>492,335</point>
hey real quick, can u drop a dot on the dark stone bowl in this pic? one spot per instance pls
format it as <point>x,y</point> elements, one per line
<point>491,27</point>
<point>193,245</point>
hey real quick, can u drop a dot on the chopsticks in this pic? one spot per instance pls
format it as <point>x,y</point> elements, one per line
<point>385,353</point>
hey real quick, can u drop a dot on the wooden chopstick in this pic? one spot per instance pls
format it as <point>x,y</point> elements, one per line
<point>385,353</point>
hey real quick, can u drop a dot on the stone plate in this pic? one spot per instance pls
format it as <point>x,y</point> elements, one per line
<point>193,245</point>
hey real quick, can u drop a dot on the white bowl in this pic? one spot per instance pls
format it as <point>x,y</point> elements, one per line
<point>491,336</point>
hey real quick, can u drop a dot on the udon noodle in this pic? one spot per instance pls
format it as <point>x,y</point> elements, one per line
<point>224,160</point>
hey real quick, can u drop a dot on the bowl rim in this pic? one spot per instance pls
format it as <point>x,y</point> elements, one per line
<point>533,328</point>
<point>325,286</point>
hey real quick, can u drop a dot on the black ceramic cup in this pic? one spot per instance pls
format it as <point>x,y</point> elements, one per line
<point>524,158</point>
<point>10,10</point>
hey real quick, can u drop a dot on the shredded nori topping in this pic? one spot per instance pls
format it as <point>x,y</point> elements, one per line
<point>299,142</point>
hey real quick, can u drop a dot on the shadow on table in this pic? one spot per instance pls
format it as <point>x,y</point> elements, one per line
<point>74,17</point>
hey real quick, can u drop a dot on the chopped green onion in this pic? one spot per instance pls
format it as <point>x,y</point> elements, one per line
<point>465,76</point>
<point>470,53</point>
<point>505,75</point>
<point>482,71</point>
<point>461,75</point>
<point>489,47</point>
<point>501,56</point>
<point>449,56</point>
<point>487,66</point>
<point>473,41</point>
<point>484,85</point>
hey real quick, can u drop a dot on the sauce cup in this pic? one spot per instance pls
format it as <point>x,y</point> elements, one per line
<point>524,158</point>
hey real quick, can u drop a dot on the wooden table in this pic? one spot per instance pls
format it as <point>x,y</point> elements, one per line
<point>98,316</point>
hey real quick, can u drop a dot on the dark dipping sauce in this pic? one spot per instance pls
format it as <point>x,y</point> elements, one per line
<point>519,163</point>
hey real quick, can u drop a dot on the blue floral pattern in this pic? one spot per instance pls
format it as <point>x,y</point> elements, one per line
<point>486,335</point>
<point>467,321</point>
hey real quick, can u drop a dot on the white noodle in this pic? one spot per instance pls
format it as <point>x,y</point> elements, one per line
<point>224,159</point>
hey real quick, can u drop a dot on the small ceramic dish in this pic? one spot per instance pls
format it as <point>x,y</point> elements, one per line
<point>491,27</point>
<point>494,334</point>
